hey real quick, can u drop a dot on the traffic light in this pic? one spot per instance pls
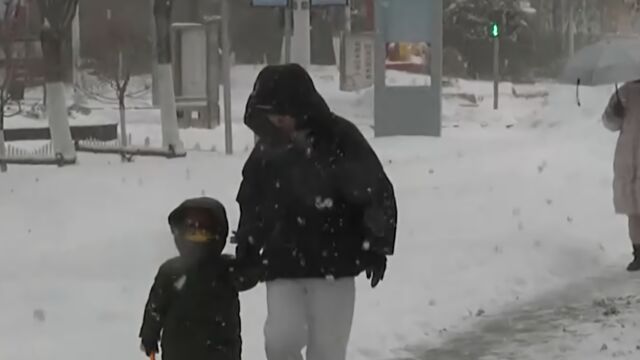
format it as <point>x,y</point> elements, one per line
<point>494,30</point>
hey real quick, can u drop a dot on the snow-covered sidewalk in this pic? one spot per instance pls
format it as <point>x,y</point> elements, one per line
<point>597,318</point>
<point>509,207</point>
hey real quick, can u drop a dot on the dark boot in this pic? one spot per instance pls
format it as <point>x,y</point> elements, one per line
<point>635,264</point>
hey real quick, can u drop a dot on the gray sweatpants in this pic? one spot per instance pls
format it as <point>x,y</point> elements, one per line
<point>315,313</point>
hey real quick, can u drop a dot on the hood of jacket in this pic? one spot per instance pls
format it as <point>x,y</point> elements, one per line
<point>218,216</point>
<point>286,90</point>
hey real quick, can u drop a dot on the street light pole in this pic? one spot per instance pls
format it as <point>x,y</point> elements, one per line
<point>226,76</point>
<point>495,31</point>
<point>155,97</point>
<point>301,40</point>
<point>496,71</point>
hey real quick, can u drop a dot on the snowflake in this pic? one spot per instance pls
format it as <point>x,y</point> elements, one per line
<point>179,284</point>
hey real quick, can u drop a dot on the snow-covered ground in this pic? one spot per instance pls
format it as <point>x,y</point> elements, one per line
<point>509,209</point>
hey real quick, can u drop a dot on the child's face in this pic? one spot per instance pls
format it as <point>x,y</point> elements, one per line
<point>198,225</point>
<point>196,237</point>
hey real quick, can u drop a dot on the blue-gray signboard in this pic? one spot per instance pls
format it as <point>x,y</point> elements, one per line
<point>408,67</point>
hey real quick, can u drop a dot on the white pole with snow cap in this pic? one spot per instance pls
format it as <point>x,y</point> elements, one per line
<point>301,39</point>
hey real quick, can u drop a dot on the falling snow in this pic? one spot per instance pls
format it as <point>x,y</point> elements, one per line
<point>179,284</point>
<point>451,222</point>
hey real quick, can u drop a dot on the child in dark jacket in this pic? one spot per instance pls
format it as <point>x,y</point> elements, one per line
<point>193,307</point>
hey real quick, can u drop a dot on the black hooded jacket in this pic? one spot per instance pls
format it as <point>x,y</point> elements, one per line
<point>193,306</point>
<point>318,206</point>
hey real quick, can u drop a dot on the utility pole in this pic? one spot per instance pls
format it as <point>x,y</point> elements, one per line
<point>571,31</point>
<point>226,75</point>
<point>155,98</point>
<point>301,40</point>
<point>288,32</point>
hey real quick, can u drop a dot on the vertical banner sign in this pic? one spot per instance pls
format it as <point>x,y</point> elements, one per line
<point>356,67</point>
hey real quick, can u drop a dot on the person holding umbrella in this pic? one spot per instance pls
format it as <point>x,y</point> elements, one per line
<point>616,59</point>
<point>622,114</point>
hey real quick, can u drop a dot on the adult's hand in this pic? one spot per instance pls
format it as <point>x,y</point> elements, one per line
<point>246,252</point>
<point>246,249</point>
<point>376,266</point>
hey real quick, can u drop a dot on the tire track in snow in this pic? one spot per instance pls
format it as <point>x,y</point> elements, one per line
<point>551,323</point>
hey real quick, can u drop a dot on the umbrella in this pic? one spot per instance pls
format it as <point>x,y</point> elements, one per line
<point>609,61</point>
<point>615,59</point>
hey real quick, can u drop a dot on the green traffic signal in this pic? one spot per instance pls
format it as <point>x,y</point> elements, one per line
<point>494,30</point>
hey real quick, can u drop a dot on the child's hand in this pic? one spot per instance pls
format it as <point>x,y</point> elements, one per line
<point>149,346</point>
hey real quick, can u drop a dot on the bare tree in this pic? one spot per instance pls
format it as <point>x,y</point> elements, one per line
<point>117,61</point>
<point>8,29</point>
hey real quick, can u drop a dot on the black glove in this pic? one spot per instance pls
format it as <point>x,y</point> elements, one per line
<point>618,109</point>
<point>149,346</point>
<point>247,254</point>
<point>375,267</point>
<point>246,275</point>
<point>246,250</point>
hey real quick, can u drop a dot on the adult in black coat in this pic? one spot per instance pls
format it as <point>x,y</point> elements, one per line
<point>317,209</point>
<point>193,306</point>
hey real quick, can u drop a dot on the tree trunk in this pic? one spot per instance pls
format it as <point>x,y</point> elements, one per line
<point>166,94</point>
<point>168,111</point>
<point>154,58</point>
<point>56,106</point>
<point>162,14</point>
<point>122,92</point>
<point>52,54</point>
<point>123,124</point>
<point>3,151</point>
<point>57,16</point>
<point>59,121</point>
